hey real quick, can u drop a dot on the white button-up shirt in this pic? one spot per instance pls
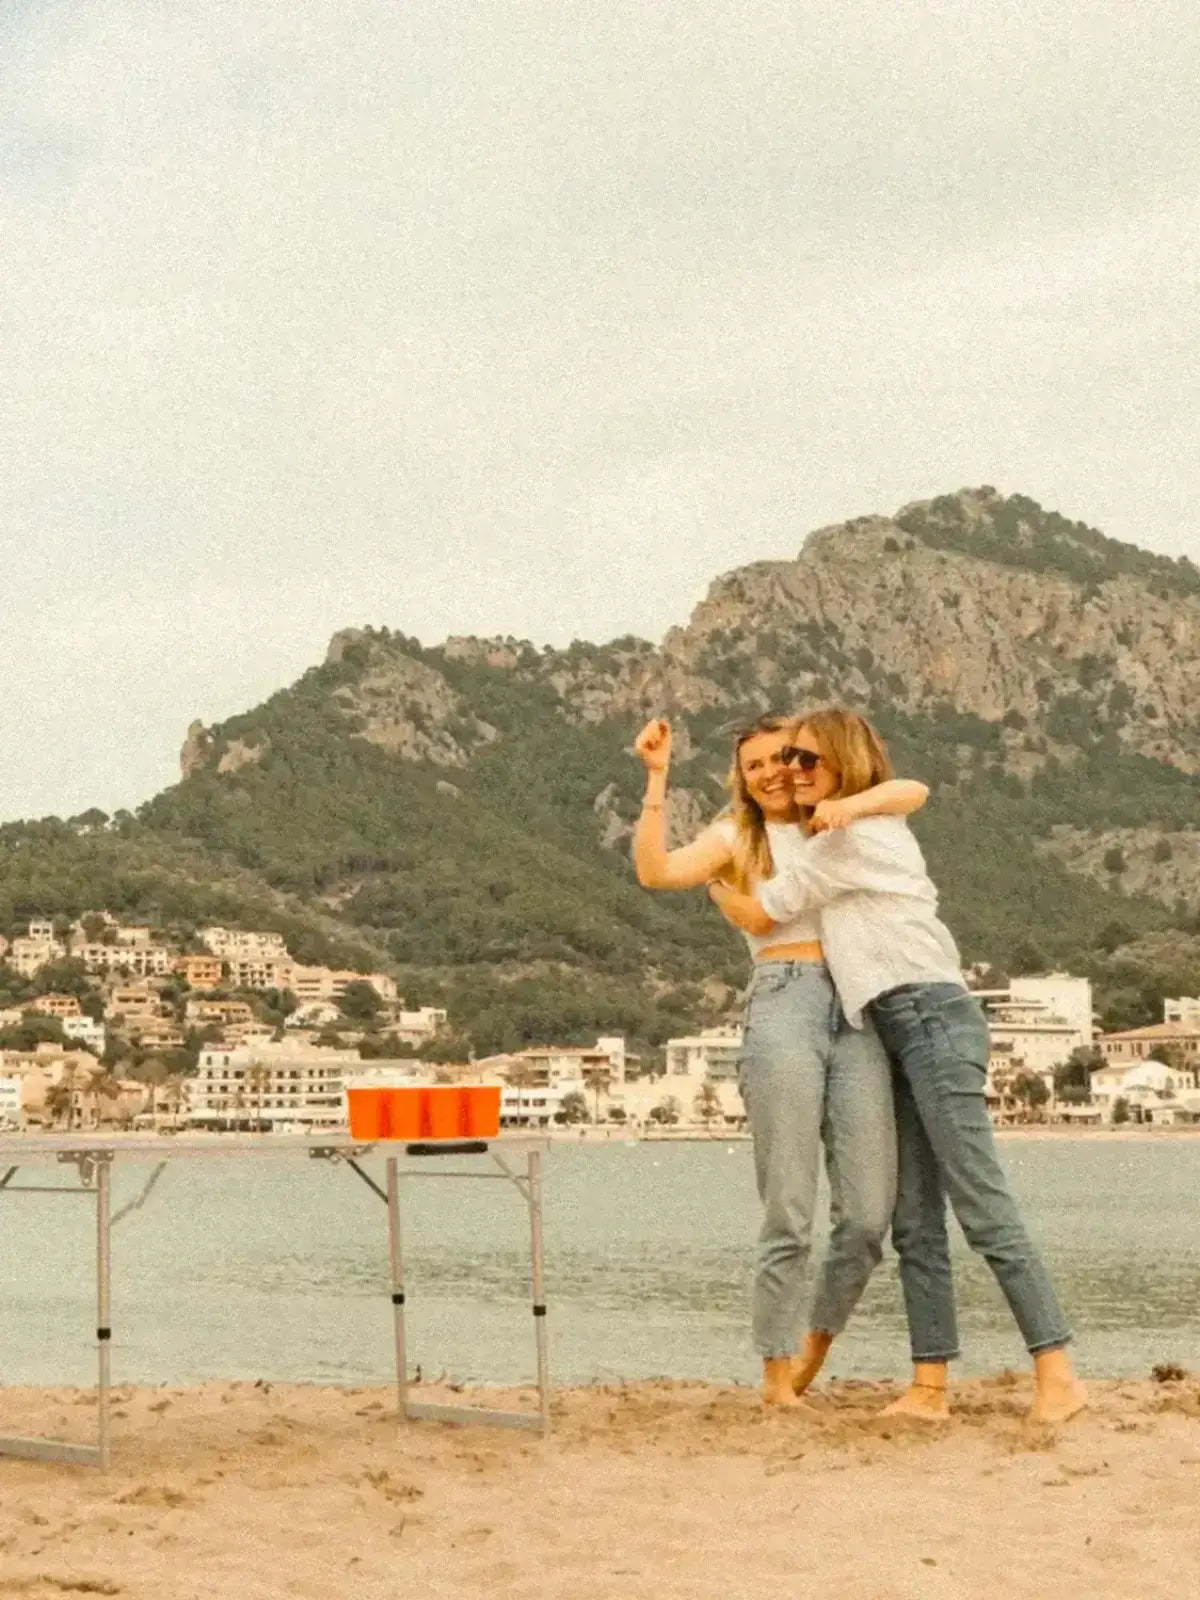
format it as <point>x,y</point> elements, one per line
<point>878,908</point>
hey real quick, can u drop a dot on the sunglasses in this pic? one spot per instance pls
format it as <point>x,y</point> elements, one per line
<point>795,755</point>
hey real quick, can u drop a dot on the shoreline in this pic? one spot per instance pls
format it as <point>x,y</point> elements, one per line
<point>588,1134</point>
<point>669,1491</point>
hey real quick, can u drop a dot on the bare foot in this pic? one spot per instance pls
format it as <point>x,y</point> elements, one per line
<point>1056,1402</point>
<point>926,1403</point>
<point>777,1385</point>
<point>810,1360</point>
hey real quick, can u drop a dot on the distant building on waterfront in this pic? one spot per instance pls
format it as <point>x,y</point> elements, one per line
<point>11,1109</point>
<point>1175,1042</point>
<point>712,1054</point>
<point>1035,1025</point>
<point>266,1085</point>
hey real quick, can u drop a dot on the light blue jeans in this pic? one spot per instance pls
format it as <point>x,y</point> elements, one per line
<point>937,1037</point>
<point>807,1079</point>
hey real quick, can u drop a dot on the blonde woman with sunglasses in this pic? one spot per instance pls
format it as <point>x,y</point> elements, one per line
<point>808,1079</point>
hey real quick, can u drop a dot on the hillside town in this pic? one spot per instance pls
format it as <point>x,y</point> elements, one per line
<point>122,1027</point>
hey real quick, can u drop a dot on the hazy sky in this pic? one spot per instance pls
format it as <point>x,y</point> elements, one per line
<point>499,317</point>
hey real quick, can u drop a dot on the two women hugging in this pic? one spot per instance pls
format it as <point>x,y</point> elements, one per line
<point>861,1041</point>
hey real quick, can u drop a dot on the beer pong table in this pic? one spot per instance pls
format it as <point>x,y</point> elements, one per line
<point>517,1161</point>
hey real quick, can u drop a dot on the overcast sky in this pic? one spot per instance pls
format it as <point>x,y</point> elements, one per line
<point>491,317</point>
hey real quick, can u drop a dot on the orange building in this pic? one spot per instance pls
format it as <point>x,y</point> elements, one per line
<point>57,1005</point>
<point>201,972</point>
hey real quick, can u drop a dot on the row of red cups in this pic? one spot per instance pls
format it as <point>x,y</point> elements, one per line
<point>464,1111</point>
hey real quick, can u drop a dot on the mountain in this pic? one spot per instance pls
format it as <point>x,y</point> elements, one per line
<point>462,812</point>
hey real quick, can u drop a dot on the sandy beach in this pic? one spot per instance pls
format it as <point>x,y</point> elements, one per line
<point>654,1489</point>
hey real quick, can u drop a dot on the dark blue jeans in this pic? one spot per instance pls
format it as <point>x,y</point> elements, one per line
<point>937,1038</point>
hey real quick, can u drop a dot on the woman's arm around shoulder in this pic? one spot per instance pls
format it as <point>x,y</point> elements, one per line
<point>898,797</point>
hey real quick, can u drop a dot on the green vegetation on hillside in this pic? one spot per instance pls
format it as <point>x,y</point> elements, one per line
<point>1019,533</point>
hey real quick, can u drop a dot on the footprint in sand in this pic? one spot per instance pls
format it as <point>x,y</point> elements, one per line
<point>160,1495</point>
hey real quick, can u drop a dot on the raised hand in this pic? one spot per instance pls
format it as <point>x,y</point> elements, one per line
<point>653,744</point>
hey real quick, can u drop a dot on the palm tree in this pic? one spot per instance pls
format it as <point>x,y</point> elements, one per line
<point>258,1078</point>
<point>707,1104</point>
<point>59,1099</point>
<point>601,1081</point>
<point>103,1084</point>
<point>173,1097</point>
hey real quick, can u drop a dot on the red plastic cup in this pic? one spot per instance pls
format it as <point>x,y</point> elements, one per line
<point>482,1110</point>
<point>404,1113</point>
<point>444,1111</point>
<point>368,1113</point>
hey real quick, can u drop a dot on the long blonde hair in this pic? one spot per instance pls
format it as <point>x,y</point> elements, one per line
<point>850,747</point>
<point>752,860</point>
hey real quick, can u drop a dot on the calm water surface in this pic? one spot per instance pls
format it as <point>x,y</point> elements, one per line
<point>278,1269</point>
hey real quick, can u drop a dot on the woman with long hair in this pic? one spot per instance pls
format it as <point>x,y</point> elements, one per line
<point>896,968</point>
<point>806,1077</point>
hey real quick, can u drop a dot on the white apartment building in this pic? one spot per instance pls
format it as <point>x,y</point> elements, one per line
<point>1036,1023</point>
<point>324,983</point>
<point>419,1027</point>
<point>87,1031</point>
<point>28,956</point>
<point>695,1066</point>
<point>713,1054</point>
<point>1185,1011</point>
<point>141,960</point>
<point>289,1085</point>
<point>535,1107</point>
<point>41,932</point>
<point>233,943</point>
<point>314,1014</point>
<point>1060,995</point>
<point>549,1066</point>
<point>1147,1085</point>
<point>11,1110</point>
<point>1031,1040</point>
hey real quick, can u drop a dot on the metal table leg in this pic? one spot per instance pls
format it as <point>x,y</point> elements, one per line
<point>529,1186</point>
<point>95,1173</point>
<point>539,1292</point>
<point>395,1251</point>
<point>104,1302</point>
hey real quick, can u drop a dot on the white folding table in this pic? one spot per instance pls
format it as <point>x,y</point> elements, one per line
<point>93,1156</point>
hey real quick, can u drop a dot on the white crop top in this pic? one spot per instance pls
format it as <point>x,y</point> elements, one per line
<point>786,839</point>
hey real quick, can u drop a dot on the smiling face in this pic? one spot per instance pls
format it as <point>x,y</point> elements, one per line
<point>814,777</point>
<point>765,775</point>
